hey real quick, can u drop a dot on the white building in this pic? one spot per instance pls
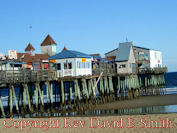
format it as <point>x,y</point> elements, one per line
<point>72,63</point>
<point>49,46</point>
<point>7,65</point>
<point>155,58</point>
<point>145,58</point>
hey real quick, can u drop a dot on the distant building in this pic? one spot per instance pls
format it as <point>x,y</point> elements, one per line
<point>148,58</point>
<point>111,53</point>
<point>125,58</point>
<point>110,59</point>
<point>31,60</point>
<point>30,49</point>
<point>9,65</point>
<point>145,58</point>
<point>2,57</point>
<point>49,46</point>
<point>96,57</point>
<point>72,63</point>
<point>142,56</point>
<point>155,58</point>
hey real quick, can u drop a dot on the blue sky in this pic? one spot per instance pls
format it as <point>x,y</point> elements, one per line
<point>91,26</point>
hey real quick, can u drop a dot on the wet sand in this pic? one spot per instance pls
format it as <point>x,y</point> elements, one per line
<point>142,101</point>
<point>123,124</point>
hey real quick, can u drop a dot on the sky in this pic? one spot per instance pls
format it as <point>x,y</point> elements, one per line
<point>91,26</point>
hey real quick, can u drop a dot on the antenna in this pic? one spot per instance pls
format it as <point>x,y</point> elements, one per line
<point>126,39</point>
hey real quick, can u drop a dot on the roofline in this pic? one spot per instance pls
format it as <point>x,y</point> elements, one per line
<point>111,50</point>
<point>156,50</point>
<point>69,58</point>
<point>133,47</point>
<point>121,60</point>
<point>141,47</point>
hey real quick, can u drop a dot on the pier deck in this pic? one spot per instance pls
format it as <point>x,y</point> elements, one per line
<point>41,91</point>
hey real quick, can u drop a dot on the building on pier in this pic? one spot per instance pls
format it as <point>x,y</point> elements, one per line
<point>96,57</point>
<point>30,49</point>
<point>10,66</point>
<point>2,57</point>
<point>30,59</point>
<point>145,58</point>
<point>49,46</point>
<point>125,58</point>
<point>72,63</point>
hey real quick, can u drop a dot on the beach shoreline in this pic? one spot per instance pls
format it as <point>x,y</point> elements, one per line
<point>142,101</point>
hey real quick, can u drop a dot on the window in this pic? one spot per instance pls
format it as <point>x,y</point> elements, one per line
<point>83,64</point>
<point>54,48</point>
<point>68,65</point>
<point>88,65</point>
<point>122,66</point>
<point>65,65</point>
<point>78,64</point>
<point>132,65</point>
<point>59,66</point>
<point>17,65</point>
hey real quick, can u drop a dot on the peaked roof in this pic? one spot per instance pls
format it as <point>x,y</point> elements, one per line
<point>29,47</point>
<point>28,58</point>
<point>48,41</point>
<point>69,54</point>
<point>64,48</point>
<point>124,51</point>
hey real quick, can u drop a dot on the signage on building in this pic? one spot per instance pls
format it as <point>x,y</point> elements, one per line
<point>53,61</point>
<point>83,59</point>
<point>2,57</point>
<point>12,54</point>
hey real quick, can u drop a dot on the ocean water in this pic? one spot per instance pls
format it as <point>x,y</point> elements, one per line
<point>171,82</point>
<point>171,88</point>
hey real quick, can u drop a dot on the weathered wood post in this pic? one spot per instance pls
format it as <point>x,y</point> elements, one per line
<point>63,95</point>
<point>36,97</point>
<point>28,97</point>
<point>2,108</point>
<point>106,90</point>
<point>51,96</point>
<point>77,95</point>
<point>118,88</point>
<point>15,99</point>
<point>111,89</point>
<point>40,89</point>
<point>70,95</point>
<point>11,102</point>
<point>85,94</point>
<point>102,91</point>
<point>95,87</point>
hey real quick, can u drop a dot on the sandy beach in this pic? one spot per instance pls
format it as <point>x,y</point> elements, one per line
<point>157,123</point>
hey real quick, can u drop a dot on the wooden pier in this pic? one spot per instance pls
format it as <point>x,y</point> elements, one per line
<point>41,92</point>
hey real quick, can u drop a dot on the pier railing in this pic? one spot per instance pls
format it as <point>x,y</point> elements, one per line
<point>106,68</point>
<point>153,70</point>
<point>16,76</point>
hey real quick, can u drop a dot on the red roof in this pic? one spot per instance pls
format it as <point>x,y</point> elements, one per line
<point>64,48</point>
<point>29,58</point>
<point>48,41</point>
<point>29,47</point>
<point>109,58</point>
